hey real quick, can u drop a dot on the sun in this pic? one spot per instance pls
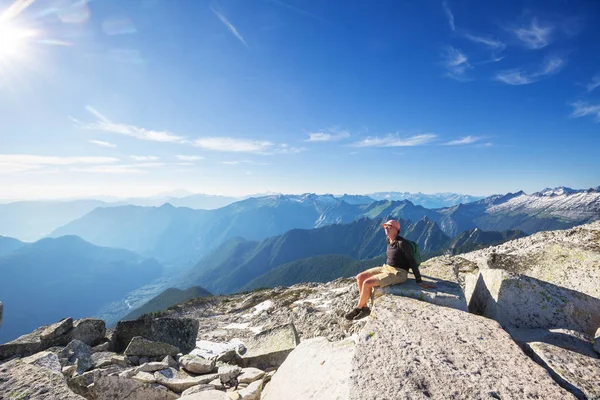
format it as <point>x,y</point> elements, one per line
<point>13,40</point>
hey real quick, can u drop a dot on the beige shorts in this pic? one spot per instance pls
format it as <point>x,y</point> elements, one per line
<point>388,275</point>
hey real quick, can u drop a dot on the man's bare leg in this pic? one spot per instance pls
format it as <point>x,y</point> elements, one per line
<point>365,293</point>
<point>360,279</point>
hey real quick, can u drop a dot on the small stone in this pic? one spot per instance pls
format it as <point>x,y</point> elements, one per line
<point>250,375</point>
<point>68,371</point>
<point>128,373</point>
<point>119,360</point>
<point>252,392</point>
<point>227,373</point>
<point>597,341</point>
<point>234,395</point>
<point>144,377</point>
<point>197,389</point>
<point>101,347</point>
<point>217,384</point>
<point>196,364</point>
<point>152,367</point>
<point>170,361</point>
<point>132,360</point>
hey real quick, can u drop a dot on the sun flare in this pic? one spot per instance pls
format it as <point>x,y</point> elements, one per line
<point>13,40</point>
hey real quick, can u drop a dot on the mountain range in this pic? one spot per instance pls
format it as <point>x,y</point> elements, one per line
<point>42,281</point>
<point>182,236</point>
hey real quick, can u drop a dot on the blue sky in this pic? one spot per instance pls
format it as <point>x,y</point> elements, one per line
<point>236,97</point>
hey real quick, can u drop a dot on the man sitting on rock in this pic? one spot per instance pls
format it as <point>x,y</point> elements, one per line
<point>395,270</point>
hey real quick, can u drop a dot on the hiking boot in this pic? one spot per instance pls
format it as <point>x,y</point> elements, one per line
<point>364,312</point>
<point>350,316</point>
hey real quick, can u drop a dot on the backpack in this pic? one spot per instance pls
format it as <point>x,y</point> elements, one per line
<point>415,251</point>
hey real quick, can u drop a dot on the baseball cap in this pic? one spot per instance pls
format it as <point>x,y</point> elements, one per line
<point>393,223</point>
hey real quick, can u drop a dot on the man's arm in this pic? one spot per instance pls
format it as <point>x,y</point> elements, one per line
<point>408,254</point>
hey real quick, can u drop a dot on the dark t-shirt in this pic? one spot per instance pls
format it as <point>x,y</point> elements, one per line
<point>400,256</point>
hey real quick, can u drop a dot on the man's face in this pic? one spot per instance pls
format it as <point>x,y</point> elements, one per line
<point>390,231</point>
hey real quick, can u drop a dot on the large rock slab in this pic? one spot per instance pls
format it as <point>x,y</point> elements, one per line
<point>115,387</point>
<point>179,332</point>
<point>413,349</point>
<point>576,372</point>
<point>567,339</point>
<point>19,380</point>
<point>57,329</point>
<point>521,301</point>
<point>567,258</point>
<point>316,369</point>
<point>89,330</point>
<point>270,348</point>
<point>148,348</point>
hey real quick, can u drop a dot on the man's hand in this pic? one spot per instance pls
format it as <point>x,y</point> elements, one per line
<point>426,285</point>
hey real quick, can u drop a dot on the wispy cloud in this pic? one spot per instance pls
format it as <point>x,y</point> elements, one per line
<point>582,109</point>
<point>189,158</point>
<point>29,162</point>
<point>145,158</point>
<point>463,141</point>
<point>396,141</point>
<point>536,36</point>
<point>449,15</point>
<point>110,169</point>
<point>230,26</point>
<point>330,136</point>
<point>242,162</point>
<point>456,63</point>
<point>520,77</point>
<point>103,144</point>
<point>594,83</point>
<point>486,41</point>
<point>104,124</point>
<point>227,144</point>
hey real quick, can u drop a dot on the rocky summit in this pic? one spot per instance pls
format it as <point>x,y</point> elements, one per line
<point>516,321</point>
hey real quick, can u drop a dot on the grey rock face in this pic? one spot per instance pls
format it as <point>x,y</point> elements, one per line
<point>178,332</point>
<point>250,375</point>
<point>19,380</point>
<point>317,368</point>
<point>58,329</point>
<point>413,349</point>
<point>252,392</point>
<point>115,387</point>
<point>578,373</point>
<point>79,354</point>
<point>143,347</point>
<point>89,330</point>
<point>25,345</point>
<point>270,348</point>
<point>45,359</point>
<point>196,364</point>
<point>524,302</point>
